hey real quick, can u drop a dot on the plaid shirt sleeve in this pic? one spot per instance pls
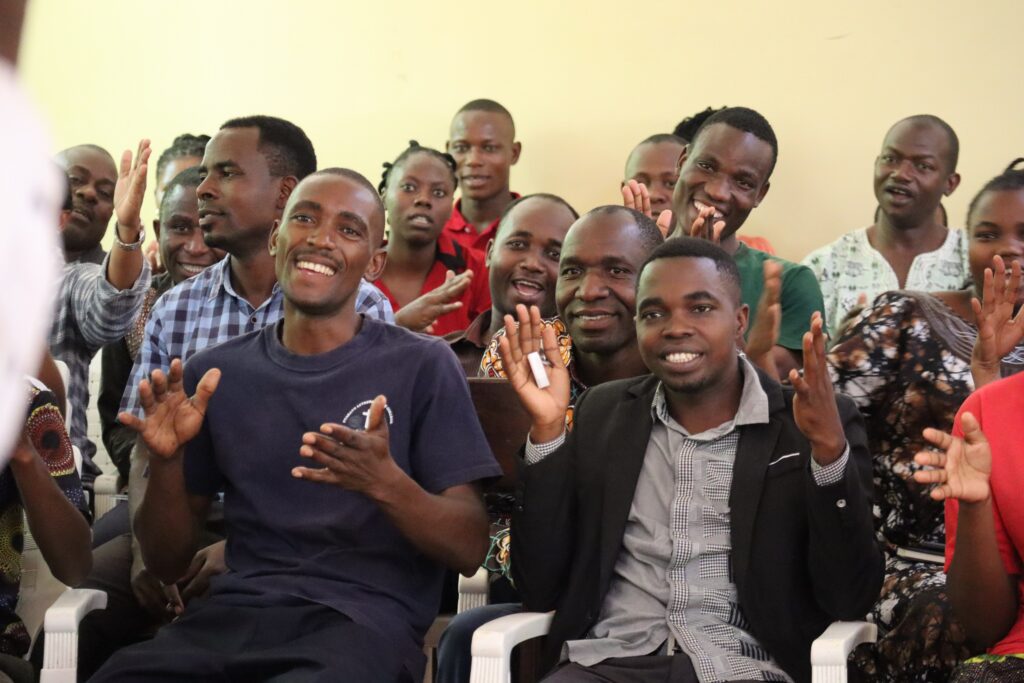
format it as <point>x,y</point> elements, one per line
<point>102,312</point>
<point>826,475</point>
<point>153,354</point>
<point>371,302</point>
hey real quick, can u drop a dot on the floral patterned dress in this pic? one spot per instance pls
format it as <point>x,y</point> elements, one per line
<point>905,361</point>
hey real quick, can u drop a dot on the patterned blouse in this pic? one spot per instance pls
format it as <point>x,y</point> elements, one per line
<point>905,361</point>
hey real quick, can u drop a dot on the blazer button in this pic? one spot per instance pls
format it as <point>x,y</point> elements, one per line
<point>841,503</point>
<point>519,508</point>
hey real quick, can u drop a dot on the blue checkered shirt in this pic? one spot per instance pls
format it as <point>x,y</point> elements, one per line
<point>204,311</point>
<point>90,313</point>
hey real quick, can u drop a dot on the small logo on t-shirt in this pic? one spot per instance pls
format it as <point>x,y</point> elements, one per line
<point>356,418</point>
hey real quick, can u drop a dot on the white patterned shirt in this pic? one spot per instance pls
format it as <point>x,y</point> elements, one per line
<point>850,266</point>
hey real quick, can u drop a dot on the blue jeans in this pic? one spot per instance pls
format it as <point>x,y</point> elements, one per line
<point>454,654</point>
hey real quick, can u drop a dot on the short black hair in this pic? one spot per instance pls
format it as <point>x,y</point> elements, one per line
<point>1010,180</point>
<point>89,145</point>
<point>484,104</point>
<point>554,198</point>
<point>746,120</point>
<point>416,148</point>
<point>286,147</point>
<point>693,247</point>
<point>688,127</point>
<point>650,233</point>
<point>185,145</point>
<point>951,136</point>
<point>656,139</point>
<point>188,178</point>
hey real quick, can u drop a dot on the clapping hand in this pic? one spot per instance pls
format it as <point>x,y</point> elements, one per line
<point>962,468</point>
<point>999,330</point>
<point>420,314</point>
<point>171,419</point>
<point>635,196</point>
<point>130,191</point>
<point>546,406</point>
<point>764,334</point>
<point>814,406</point>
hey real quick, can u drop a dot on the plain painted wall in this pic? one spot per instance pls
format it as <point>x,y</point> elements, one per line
<point>585,81</point>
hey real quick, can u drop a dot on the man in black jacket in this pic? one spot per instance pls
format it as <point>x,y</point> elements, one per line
<point>700,524</point>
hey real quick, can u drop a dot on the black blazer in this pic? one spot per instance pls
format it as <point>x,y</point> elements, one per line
<point>802,555</point>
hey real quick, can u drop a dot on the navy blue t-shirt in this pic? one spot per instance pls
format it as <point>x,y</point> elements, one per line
<point>290,539</point>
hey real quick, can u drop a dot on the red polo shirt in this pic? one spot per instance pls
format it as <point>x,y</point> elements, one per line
<point>463,232</point>
<point>475,300</point>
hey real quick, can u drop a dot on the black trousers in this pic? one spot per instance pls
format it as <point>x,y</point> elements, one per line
<point>215,641</point>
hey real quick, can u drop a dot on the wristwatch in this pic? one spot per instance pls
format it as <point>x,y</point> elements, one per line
<point>126,245</point>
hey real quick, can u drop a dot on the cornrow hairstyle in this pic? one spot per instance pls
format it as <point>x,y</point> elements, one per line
<point>285,146</point>
<point>189,178</point>
<point>416,148</point>
<point>746,120</point>
<point>1010,180</point>
<point>185,145</point>
<point>688,127</point>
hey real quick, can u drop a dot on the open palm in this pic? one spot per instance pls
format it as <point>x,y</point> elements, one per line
<point>963,469</point>
<point>172,419</point>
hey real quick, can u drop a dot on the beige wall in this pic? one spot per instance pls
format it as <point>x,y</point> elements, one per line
<point>584,80</point>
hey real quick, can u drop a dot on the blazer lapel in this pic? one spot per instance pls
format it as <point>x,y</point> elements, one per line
<point>629,430</point>
<point>753,453</point>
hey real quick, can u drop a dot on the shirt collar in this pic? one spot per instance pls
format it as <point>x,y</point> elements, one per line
<point>753,408</point>
<point>220,281</point>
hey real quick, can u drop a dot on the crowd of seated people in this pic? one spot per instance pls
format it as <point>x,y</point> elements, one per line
<point>727,450</point>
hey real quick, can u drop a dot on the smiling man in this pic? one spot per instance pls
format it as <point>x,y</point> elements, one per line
<point>342,506</point>
<point>482,138</point>
<point>688,509</point>
<point>908,246</point>
<point>724,174</point>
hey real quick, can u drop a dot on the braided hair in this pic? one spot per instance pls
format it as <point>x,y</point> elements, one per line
<point>1010,180</point>
<point>415,148</point>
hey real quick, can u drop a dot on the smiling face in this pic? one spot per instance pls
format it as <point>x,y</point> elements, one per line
<point>483,146</point>
<point>238,198</point>
<point>522,260</point>
<point>92,177</point>
<point>724,168</point>
<point>912,173</point>
<point>996,227</point>
<point>419,198</point>
<point>183,250</point>
<point>328,238</point>
<point>689,324</point>
<point>595,293</point>
<point>656,165</point>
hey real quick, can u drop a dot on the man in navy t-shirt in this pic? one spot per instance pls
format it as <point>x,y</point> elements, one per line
<point>348,464</point>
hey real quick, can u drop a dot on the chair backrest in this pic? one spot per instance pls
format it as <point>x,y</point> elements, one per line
<point>505,423</point>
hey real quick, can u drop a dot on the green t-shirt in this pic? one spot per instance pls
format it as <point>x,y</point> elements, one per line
<point>800,296</point>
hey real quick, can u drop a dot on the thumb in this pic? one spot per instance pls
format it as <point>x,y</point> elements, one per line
<point>376,420</point>
<point>449,275</point>
<point>862,299</point>
<point>665,222</point>
<point>204,390</point>
<point>972,430</point>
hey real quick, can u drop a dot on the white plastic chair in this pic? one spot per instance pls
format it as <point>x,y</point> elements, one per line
<point>493,643</point>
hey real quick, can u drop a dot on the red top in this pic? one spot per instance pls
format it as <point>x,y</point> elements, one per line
<point>475,300</point>
<point>998,408</point>
<point>464,232</point>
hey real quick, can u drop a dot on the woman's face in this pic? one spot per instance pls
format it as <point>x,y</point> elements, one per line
<point>996,228</point>
<point>419,198</point>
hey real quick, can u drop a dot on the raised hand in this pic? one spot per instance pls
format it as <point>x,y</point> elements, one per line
<point>962,469</point>
<point>999,331</point>
<point>546,406</point>
<point>765,332</point>
<point>130,191</point>
<point>172,419</point>
<point>705,227</point>
<point>420,314</point>
<point>151,251</point>
<point>635,196</point>
<point>354,459</point>
<point>814,406</point>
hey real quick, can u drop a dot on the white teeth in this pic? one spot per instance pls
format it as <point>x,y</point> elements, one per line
<point>316,267</point>
<point>701,206</point>
<point>190,268</point>
<point>528,285</point>
<point>593,317</point>
<point>681,357</point>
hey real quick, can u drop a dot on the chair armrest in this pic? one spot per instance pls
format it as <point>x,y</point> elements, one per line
<point>473,590</point>
<point>493,643</point>
<point>831,649</point>
<point>104,491</point>
<point>61,624</point>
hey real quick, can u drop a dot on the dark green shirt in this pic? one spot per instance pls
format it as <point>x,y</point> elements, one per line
<point>800,295</point>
